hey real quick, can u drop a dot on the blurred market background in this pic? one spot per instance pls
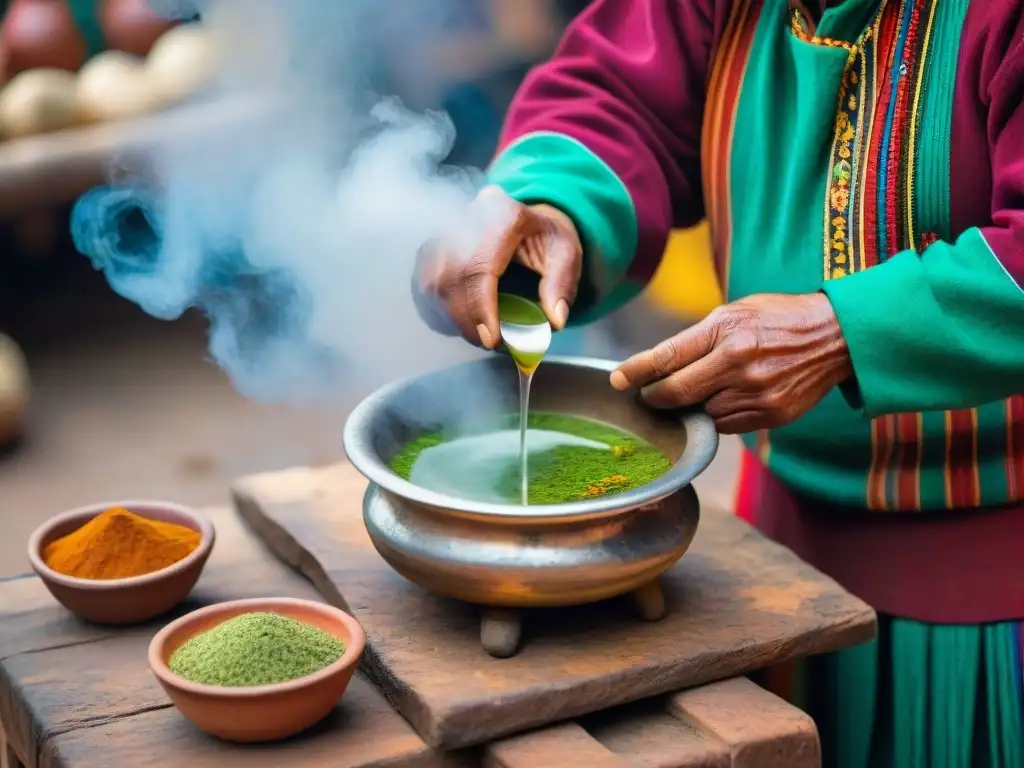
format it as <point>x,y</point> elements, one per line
<point>119,405</point>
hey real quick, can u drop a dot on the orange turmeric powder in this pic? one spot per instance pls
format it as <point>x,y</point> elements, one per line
<point>118,544</point>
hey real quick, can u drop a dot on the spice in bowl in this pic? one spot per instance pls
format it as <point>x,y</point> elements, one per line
<point>259,648</point>
<point>118,544</point>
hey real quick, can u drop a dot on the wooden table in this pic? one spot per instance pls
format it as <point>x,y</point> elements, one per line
<point>77,696</point>
<point>736,602</point>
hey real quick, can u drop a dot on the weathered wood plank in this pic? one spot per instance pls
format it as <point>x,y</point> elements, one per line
<point>737,602</point>
<point>729,724</point>
<point>733,724</point>
<point>362,732</point>
<point>759,729</point>
<point>566,744</point>
<point>90,699</point>
<point>91,702</point>
<point>33,620</point>
<point>651,736</point>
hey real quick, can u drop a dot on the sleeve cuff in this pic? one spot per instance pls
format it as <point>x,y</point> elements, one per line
<point>558,170</point>
<point>875,307</point>
<point>933,331</point>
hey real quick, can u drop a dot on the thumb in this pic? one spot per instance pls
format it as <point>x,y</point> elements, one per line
<point>562,265</point>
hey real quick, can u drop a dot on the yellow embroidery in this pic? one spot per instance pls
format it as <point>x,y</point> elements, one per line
<point>840,173</point>
<point>800,26</point>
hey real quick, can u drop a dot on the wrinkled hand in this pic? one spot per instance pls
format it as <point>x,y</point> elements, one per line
<point>757,363</point>
<point>457,276</point>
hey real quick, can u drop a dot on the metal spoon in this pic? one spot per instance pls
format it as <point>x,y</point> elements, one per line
<point>525,331</point>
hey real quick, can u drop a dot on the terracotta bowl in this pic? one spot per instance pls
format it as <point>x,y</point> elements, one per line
<point>123,601</point>
<point>259,712</point>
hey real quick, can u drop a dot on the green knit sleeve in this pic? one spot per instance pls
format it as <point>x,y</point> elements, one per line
<point>934,331</point>
<point>558,170</point>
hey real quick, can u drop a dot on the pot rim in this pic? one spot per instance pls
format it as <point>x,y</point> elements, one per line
<point>701,447</point>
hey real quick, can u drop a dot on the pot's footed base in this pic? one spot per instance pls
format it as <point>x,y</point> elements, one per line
<point>501,629</point>
<point>649,601</point>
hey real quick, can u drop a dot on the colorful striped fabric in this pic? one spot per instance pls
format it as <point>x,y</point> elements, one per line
<point>875,156</point>
<point>728,68</point>
<point>887,191</point>
<point>919,696</point>
<point>822,156</point>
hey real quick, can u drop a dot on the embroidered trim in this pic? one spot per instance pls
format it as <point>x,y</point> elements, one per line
<point>800,28</point>
<point>840,173</point>
<point>876,125</point>
<point>908,71</point>
<point>910,212</point>
<point>847,147</point>
<point>869,203</point>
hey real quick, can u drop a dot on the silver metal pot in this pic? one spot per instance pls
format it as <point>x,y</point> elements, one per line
<point>516,556</point>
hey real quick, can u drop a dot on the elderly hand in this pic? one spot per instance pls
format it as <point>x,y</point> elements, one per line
<point>757,363</point>
<point>456,280</point>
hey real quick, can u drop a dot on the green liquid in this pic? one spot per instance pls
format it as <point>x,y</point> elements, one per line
<point>570,459</point>
<point>530,334</point>
<point>527,335</point>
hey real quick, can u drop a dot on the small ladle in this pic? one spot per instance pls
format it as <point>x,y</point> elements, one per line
<point>526,333</point>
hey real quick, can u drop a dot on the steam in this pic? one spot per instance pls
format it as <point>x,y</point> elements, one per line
<point>294,229</point>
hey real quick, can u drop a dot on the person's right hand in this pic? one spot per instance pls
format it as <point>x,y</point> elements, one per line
<point>458,275</point>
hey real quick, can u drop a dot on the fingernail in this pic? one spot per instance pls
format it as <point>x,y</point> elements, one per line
<point>485,336</point>
<point>619,381</point>
<point>562,313</point>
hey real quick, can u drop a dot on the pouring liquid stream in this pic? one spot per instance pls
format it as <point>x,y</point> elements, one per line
<point>526,334</point>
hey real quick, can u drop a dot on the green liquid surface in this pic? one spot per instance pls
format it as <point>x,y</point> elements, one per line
<point>570,459</point>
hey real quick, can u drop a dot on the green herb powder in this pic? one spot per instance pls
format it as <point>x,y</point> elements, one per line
<point>256,649</point>
<point>615,461</point>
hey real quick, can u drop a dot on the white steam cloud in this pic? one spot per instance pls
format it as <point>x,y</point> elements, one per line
<point>295,230</point>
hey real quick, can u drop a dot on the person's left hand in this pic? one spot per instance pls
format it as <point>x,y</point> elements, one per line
<point>757,363</point>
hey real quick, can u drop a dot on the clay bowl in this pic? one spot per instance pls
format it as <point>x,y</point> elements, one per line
<point>123,601</point>
<point>259,712</point>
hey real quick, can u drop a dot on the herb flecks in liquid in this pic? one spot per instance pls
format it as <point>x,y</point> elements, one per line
<point>557,475</point>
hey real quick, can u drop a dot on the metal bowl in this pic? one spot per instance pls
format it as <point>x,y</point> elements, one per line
<point>525,556</point>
